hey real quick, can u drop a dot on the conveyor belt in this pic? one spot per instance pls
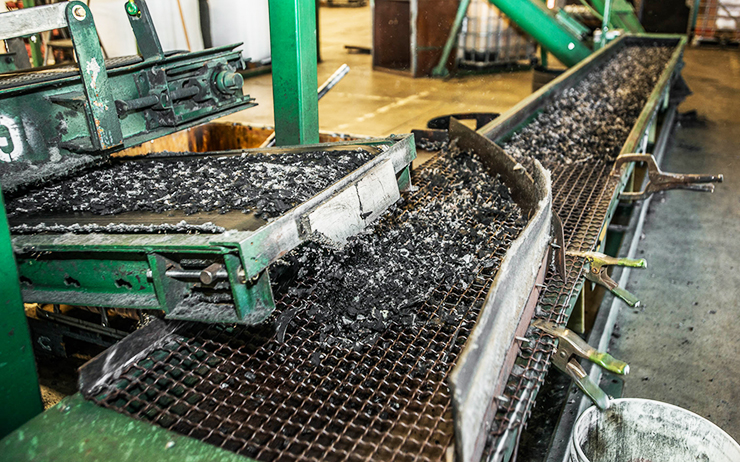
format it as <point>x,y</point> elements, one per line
<point>47,74</point>
<point>582,194</point>
<point>300,398</point>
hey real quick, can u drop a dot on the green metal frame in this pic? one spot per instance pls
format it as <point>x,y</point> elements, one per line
<point>74,118</point>
<point>621,15</point>
<point>20,398</point>
<point>78,430</point>
<point>130,271</point>
<point>294,80</point>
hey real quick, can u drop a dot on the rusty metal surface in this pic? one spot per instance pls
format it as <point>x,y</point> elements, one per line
<point>582,194</point>
<point>243,389</point>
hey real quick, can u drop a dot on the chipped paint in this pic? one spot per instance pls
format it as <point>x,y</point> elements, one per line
<point>93,69</point>
<point>11,142</point>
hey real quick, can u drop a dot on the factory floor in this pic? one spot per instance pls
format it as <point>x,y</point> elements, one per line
<point>375,103</point>
<point>684,344</point>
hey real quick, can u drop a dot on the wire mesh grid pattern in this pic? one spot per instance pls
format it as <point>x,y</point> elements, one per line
<point>718,20</point>
<point>243,390</point>
<point>582,194</point>
<point>488,38</point>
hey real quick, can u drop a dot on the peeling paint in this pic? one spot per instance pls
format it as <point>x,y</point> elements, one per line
<point>93,69</point>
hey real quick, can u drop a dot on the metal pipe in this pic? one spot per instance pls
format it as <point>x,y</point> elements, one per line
<point>539,22</point>
<point>333,80</point>
<point>441,69</point>
<point>605,22</point>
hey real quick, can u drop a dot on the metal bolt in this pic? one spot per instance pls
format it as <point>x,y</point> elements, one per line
<point>79,12</point>
<point>132,9</point>
<point>229,82</point>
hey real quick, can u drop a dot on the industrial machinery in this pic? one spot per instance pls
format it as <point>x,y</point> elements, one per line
<point>449,372</point>
<point>61,118</point>
<point>586,196</point>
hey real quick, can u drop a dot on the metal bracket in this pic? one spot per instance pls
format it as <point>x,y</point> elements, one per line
<point>660,181</point>
<point>558,244</point>
<point>570,347</point>
<point>597,272</point>
<point>103,123</point>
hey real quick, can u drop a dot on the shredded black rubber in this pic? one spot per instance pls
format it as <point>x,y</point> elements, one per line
<point>265,184</point>
<point>591,121</point>
<point>439,236</point>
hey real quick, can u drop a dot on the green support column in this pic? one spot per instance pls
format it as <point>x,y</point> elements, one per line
<point>294,81</point>
<point>20,398</point>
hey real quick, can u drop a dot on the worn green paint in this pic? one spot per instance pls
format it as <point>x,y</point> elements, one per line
<point>294,80</point>
<point>104,125</point>
<point>622,15</point>
<point>78,430</point>
<point>141,22</point>
<point>20,398</point>
<point>542,24</point>
<point>440,70</point>
<point>129,270</point>
<point>53,122</point>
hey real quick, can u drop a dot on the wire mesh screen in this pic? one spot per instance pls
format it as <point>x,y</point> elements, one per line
<point>718,21</point>
<point>243,389</point>
<point>582,194</point>
<point>488,38</point>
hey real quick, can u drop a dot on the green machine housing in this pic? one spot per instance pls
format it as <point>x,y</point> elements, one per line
<point>59,120</point>
<point>56,119</point>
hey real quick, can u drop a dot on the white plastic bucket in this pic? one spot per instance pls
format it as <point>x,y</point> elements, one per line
<point>642,430</point>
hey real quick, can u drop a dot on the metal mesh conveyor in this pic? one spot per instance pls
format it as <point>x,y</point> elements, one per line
<point>582,195</point>
<point>290,395</point>
<point>300,399</point>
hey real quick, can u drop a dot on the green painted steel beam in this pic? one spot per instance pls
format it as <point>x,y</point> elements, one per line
<point>20,398</point>
<point>78,430</point>
<point>542,24</point>
<point>294,81</point>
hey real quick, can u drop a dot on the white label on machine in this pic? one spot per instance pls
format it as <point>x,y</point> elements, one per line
<point>11,145</point>
<point>350,211</point>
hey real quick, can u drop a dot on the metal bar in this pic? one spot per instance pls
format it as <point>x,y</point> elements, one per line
<point>146,35</point>
<point>20,398</point>
<point>605,22</point>
<point>294,81</point>
<point>34,41</point>
<point>540,23</point>
<point>29,21</point>
<point>105,127</point>
<point>441,69</point>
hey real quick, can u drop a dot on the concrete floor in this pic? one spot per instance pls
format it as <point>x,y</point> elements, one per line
<point>376,103</point>
<point>684,345</point>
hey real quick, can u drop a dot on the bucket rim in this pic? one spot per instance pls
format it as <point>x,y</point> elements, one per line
<point>593,408</point>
